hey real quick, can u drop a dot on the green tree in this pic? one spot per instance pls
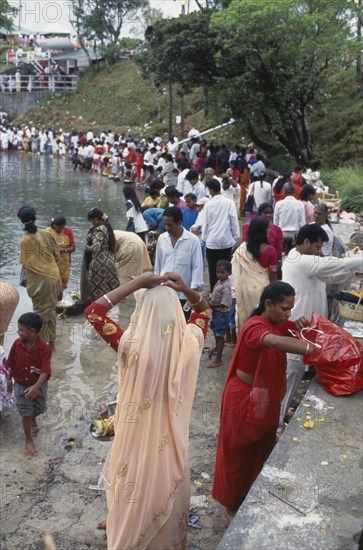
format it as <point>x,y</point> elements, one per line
<point>101,23</point>
<point>7,12</point>
<point>276,57</point>
<point>180,50</point>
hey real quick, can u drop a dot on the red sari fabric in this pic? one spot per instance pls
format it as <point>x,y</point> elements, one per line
<point>249,414</point>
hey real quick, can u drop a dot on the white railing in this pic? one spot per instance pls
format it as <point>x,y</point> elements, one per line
<point>38,83</point>
<point>26,57</point>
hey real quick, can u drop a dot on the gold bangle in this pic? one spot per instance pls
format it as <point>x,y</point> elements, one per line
<point>196,303</point>
<point>108,300</point>
<point>307,348</point>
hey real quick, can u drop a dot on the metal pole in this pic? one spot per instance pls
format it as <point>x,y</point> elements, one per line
<point>19,15</point>
<point>170,127</point>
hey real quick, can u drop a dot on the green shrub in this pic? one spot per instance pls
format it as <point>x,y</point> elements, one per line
<point>349,182</point>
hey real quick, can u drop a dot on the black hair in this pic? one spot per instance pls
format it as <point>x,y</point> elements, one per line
<point>31,320</point>
<point>157,184</point>
<point>306,191</point>
<point>191,196</point>
<point>261,177</point>
<point>130,195</point>
<point>58,220</point>
<point>183,164</point>
<point>313,232</point>
<point>281,182</point>
<point>226,264</point>
<point>97,213</point>
<point>171,191</point>
<point>191,175</point>
<point>276,293</point>
<point>257,235</point>
<point>27,216</point>
<point>173,212</point>
<point>214,185</point>
<point>264,206</point>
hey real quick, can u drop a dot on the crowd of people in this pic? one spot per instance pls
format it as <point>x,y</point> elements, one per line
<point>191,197</point>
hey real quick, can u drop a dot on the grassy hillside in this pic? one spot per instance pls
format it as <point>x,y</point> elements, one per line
<point>120,99</point>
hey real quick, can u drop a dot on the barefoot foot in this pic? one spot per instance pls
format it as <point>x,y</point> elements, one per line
<point>102,525</point>
<point>215,363</point>
<point>30,450</point>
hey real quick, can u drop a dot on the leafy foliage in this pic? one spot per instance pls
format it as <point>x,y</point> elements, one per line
<point>276,57</point>
<point>180,50</point>
<point>7,12</point>
<point>348,181</point>
<point>103,21</point>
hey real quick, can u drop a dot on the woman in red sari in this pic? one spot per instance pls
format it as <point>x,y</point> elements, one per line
<point>252,395</point>
<point>274,233</point>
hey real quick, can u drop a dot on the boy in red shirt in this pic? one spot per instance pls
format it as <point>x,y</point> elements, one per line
<point>29,366</point>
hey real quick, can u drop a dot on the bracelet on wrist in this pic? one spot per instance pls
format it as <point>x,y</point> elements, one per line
<point>108,300</point>
<point>307,348</point>
<point>198,302</point>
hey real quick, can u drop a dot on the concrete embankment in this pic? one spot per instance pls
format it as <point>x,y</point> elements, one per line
<point>309,493</point>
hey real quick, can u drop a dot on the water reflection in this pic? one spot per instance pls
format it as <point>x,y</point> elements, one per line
<point>84,374</point>
<point>52,187</point>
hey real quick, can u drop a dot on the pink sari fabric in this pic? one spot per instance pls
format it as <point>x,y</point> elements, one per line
<point>146,474</point>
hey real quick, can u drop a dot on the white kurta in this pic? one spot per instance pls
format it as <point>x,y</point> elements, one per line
<point>308,275</point>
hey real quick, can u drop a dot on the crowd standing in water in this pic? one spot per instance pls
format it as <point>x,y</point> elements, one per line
<point>183,207</point>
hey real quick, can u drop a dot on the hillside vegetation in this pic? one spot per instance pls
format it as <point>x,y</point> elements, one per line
<point>120,99</point>
<point>117,98</point>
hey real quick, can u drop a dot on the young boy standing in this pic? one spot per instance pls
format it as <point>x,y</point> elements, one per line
<point>29,366</point>
<point>220,302</point>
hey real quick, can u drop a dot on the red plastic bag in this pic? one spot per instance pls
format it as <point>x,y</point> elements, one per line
<point>338,359</point>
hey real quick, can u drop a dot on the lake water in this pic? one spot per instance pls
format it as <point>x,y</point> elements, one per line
<point>83,366</point>
<point>52,187</point>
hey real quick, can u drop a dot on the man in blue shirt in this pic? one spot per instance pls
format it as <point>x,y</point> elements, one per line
<point>154,219</point>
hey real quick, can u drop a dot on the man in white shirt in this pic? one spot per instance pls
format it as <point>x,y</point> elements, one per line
<point>88,155</point>
<point>308,272</point>
<point>149,157</point>
<point>193,185</point>
<point>220,229</point>
<point>179,251</point>
<point>289,213</point>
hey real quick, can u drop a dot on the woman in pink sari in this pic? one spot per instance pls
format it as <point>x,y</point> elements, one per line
<point>254,266</point>
<point>146,474</point>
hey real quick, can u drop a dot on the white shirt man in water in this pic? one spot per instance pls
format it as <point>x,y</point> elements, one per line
<point>179,251</point>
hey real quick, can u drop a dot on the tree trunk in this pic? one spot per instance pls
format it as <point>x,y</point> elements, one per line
<point>170,126</point>
<point>359,35</point>
<point>205,100</point>
<point>269,148</point>
<point>158,105</point>
<point>182,119</point>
